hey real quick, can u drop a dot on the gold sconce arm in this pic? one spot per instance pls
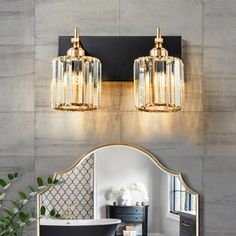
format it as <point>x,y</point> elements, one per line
<point>76,50</point>
<point>158,50</point>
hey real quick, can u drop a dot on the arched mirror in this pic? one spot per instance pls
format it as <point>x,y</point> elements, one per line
<point>118,189</point>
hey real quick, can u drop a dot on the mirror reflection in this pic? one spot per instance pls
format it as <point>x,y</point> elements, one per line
<point>118,190</point>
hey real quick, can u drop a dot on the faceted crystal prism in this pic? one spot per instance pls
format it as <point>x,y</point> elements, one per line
<point>76,83</point>
<point>76,79</point>
<point>158,84</point>
<point>158,80</point>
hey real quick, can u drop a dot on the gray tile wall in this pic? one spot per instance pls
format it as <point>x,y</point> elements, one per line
<point>200,141</point>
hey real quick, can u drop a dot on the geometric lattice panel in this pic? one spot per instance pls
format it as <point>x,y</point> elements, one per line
<point>74,198</point>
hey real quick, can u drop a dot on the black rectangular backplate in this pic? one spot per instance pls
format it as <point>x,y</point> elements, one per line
<point>117,53</point>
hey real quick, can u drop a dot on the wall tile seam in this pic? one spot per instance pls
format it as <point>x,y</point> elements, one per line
<point>34,72</point>
<point>201,199</point>
<point>17,45</point>
<point>18,77</point>
<point>119,17</point>
<point>114,111</point>
<point>229,48</point>
<point>16,111</point>
<point>211,75</point>
<point>212,110</point>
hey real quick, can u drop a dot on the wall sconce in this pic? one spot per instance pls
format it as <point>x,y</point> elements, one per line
<point>158,80</point>
<point>76,80</point>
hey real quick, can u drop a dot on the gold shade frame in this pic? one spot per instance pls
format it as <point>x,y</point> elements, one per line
<point>76,80</point>
<point>158,80</point>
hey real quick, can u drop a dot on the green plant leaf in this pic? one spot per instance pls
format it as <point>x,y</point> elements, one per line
<point>43,210</point>
<point>31,219</point>
<point>31,188</point>
<point>3,233</point>
<point>55,181</point>
<point>22,195</point>
<point>4,220</point>
<point>32,194</point>
<point>40,181</point>
<point>15,203</point>
<point>2,195</point>
<point>32,213</point>
<point>57,216</point>
<point>49,180</point>
<point>11,211</point>
<point>22,216</point>
<point>24,201</point>
<point>52,213</point>
<point>8,211</point>
<point>7,186</point>
<point>19,224</point>
<point>3,183</point>
<point>16,175</point>
<point>10,176</point>
<point>3,223</point>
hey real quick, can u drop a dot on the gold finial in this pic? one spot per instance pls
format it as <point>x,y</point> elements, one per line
<point>158,32</point>
<point>75,39</point>
<point>158,50</point>
<point>76,32</point>
<point>158,39</point>
<point>76,50</point>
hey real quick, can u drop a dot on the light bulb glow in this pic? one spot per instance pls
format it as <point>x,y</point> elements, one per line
<point>76,83</point>
<point>159,86</point>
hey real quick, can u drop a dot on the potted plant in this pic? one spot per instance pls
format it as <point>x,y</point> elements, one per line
<point>19,215</point>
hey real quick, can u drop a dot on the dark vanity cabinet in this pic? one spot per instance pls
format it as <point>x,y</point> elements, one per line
<point>130,215</point>
<point>187,224</point>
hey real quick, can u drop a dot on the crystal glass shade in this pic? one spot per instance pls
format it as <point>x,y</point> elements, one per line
<point>158,81</point>
<point>76,80</point>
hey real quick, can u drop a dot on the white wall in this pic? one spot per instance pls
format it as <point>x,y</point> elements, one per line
<point>169,226</point>
<point>118,165</point>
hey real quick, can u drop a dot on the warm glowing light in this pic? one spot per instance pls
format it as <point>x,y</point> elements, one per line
<point>76,80</point>
<point>158,80</point>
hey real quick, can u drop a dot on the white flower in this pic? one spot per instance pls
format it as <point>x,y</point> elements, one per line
<point>123,193</point>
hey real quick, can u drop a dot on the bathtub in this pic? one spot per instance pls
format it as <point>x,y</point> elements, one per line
<point>100,227</point>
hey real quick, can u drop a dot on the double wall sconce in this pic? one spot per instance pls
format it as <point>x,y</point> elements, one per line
<point>158,80</point>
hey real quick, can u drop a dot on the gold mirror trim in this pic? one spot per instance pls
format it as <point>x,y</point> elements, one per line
<point>154,159</point>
